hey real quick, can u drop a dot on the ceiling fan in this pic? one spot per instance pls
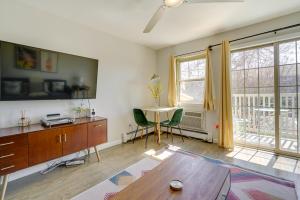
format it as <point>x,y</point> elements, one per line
<point>173,4</point>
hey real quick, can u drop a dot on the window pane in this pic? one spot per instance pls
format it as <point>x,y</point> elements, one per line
<point>184,70</point>
<point>251,128</point>
<point>288,129</point>
<point>202,63</point>
<point>266,56</point>
<point>237,79</point>
<point>194,69</point>
<point>251,59</point>
<point>237,95</point>
<point>191,92</point>
<point>267,127</point>
<point>251,78</point>
<point>265,96</point>
<point>239,129</point>
<point>298,131</point>
<point>287,75</point>
<point>298,68</point>
<point>287,53</point>
<point>298,51</point>
<point>288,97</point>
<point>298,105</point>
<point>237,60</point>
<point>266,77</point>
<point>252,95</point>
<point>239,125</point>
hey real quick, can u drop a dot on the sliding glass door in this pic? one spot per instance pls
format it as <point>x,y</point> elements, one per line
<point>265,96</point>
<point>253,96</point>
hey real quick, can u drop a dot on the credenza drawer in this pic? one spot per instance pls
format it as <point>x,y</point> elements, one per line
<point>13,154</point>
<point>12,165</point>
<point>12,142</point>
<point>97,133</point>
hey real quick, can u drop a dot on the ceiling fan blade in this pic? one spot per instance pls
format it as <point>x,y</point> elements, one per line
<point>155,18</point>
<point>212,1</point>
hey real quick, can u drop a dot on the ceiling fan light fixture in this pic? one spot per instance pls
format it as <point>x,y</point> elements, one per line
<point>173,3</point>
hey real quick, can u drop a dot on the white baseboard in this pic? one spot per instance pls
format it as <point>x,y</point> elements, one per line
<point>109,144</point>
<point>40,167</point>
<point>128,136</point>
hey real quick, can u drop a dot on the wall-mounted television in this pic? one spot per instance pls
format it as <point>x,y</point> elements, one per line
<point>29,73</point>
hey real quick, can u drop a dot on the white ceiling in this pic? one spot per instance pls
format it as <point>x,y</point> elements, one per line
<point>127,18</point>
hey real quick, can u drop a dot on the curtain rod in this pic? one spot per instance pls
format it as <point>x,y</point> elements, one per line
<point>242,38</point>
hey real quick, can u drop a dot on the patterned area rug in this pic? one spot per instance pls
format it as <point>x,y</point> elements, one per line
<point>245,184</point>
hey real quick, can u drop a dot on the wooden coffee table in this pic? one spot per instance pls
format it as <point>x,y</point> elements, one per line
<point>202,180</point>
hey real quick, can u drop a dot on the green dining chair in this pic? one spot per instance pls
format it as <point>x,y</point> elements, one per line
<point>174,122</point>
<point>141,121</point>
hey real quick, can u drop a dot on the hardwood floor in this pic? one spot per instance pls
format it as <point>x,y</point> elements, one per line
<point>64,183</point>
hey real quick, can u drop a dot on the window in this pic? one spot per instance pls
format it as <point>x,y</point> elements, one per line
<point>190,79</point>
<point>269,74</point>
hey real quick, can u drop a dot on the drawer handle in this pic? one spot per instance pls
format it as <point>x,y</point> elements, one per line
<point>8,143</point>
<point>65,137</point>
<point>9,155</point>
<point>99,125</point>
<point>6,168</point>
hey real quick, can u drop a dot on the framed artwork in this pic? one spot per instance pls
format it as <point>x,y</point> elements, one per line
<point>49,61</point>
<point>27,58</point>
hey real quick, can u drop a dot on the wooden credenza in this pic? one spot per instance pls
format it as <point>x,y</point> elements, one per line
<point>25,147</point>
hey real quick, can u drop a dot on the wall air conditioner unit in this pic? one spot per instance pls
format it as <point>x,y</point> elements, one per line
<point>194,121</point>
<point>193,125</point>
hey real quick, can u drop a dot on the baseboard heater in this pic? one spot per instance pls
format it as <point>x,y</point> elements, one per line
<point>189,129</point>
<point>129,136</point>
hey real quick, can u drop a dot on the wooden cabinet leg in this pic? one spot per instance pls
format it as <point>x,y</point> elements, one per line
<point>88,151</point>
<point>3,186</point>
<point>97,153</point>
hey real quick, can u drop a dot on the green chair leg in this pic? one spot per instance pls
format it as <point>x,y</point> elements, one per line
<point>146,137</point>
<point>172,134</point>
<point>167,132</point>
<point>135,134</point>
<point>181,133</point>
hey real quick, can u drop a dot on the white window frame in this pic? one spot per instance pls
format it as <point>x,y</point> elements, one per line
<point>179,81</point>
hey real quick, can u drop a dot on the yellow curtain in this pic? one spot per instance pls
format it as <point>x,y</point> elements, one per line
<point>172,91</point>
<point>225,115</point>
<point>208,103</point>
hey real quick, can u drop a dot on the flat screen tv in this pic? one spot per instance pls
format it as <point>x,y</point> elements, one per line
<point>29,73</point>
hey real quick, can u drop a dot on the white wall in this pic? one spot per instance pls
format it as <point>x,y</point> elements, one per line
<point>163,55</point>
<point>124,67</point>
